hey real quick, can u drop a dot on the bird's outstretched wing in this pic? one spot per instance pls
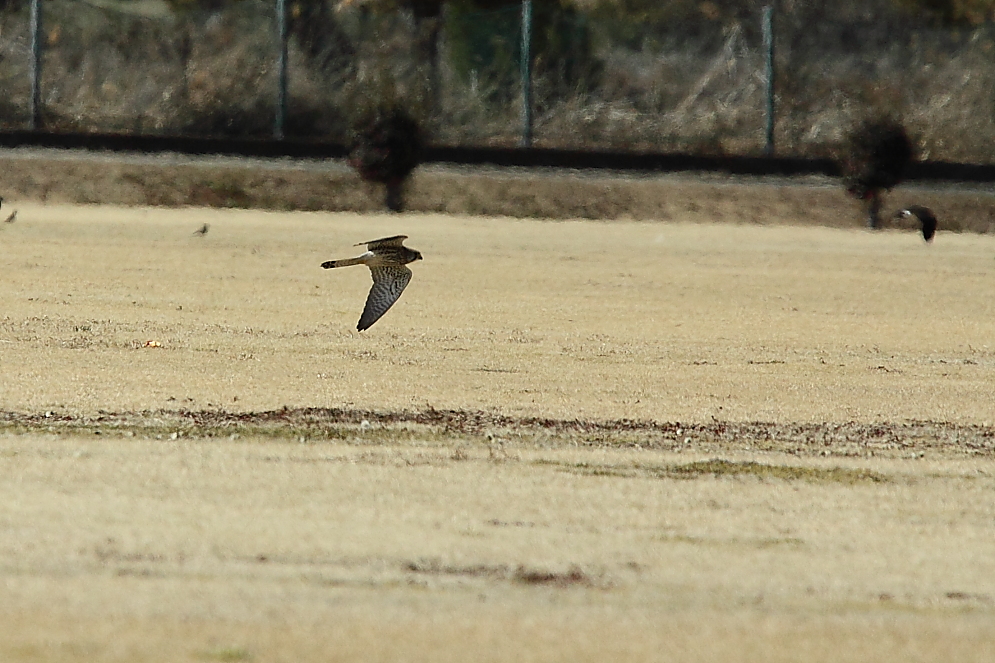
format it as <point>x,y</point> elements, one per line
<point>374,244</point>
<point>388,284</point>
<point>927,219</point>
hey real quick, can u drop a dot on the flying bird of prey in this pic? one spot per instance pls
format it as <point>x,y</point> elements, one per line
<point>202,230</point>
<point>386,259</point>
<point>925,217</point>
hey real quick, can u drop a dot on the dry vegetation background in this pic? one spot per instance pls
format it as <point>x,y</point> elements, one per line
<point>608,75</point>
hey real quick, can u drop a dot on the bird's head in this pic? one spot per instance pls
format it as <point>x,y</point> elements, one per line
<point>410,255</point>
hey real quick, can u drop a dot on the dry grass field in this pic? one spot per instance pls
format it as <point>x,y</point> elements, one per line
<point>668,322</point>
<point>569,440</point>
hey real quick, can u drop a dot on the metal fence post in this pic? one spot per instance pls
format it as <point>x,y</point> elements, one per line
<point>35,72</point>
<point>281,66</point>
<point>768,33</point>
<point>526,73</point>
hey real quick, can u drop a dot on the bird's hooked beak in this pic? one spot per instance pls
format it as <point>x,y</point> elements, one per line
<point>419,255</point>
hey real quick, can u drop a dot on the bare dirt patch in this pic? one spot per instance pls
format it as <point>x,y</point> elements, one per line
<point>501,433</point>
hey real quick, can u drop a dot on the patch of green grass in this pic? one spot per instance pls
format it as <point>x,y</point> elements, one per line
<point>227,655</point>
<point>718,467</point>
<point>759,543</point>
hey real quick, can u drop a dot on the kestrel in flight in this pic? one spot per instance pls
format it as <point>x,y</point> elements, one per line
<point>386,259</point>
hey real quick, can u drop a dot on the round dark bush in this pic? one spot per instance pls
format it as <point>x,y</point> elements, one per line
<point>876,157</point>
<point>386,145</point>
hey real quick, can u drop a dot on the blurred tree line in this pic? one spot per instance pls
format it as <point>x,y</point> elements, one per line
<point>947,12</point>
<point>585,54</point>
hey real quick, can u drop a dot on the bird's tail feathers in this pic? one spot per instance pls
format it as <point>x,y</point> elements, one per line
<point>343,263</point>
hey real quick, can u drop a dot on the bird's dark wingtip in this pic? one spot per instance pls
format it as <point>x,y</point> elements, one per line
<point>328,264</point>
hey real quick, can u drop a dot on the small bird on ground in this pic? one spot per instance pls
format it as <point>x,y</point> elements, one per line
<point>386,258</point>
<point>925,217</point>
<point>202,230</point>
<point>13,215</point>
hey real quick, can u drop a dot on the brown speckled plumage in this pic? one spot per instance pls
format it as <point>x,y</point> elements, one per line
<point>386,258</point>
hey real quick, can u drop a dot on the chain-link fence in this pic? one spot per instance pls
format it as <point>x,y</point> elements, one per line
<point>686,77</point>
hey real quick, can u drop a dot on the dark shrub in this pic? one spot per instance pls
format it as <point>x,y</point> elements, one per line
<point>875,159</point>
<point>385,148</point>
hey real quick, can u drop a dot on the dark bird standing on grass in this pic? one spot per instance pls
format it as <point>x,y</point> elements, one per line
<point>876,158</point>
<point>925,217</point>
<point>386,259</point>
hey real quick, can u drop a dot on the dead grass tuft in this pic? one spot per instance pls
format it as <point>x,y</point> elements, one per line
<point>522,574</point>
<point>575,576</point>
